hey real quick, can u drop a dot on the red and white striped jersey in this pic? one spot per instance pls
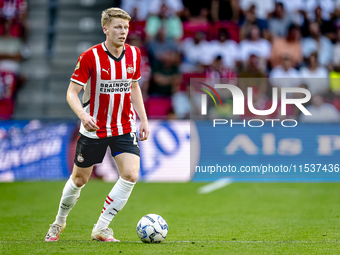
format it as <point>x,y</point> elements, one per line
<point>107,88</point>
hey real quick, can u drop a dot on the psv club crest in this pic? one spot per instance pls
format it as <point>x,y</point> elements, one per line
<point>80,158</point>
<point>129,69</point>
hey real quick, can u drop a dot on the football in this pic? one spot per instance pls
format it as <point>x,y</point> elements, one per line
<point>152,228</point>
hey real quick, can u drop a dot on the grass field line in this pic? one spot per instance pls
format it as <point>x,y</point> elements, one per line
<point>219,184</point>
<point>187,241</point>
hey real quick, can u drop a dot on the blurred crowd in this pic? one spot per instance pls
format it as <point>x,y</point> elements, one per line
<point>248,43</point>
<point>13,38</point>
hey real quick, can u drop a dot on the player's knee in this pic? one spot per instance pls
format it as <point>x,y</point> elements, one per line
<point>80,181</point>
<point>131,177</point>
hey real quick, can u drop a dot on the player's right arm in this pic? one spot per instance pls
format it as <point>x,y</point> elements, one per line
<point>73,100</point>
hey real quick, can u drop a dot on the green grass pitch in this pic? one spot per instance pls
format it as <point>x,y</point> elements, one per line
<point>242,218</point>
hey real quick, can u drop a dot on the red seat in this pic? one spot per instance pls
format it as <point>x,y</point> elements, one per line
<point>336,102</point>
<point>186,79</point>
<point>191,28</point>
<point>158,107</point>
<point>137,27</point>
<point>8,87</point>
<point>15,29</point>
<point>230,26</point>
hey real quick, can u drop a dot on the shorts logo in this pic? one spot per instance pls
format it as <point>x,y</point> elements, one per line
<point>80,158</point>
<point>129,69</point>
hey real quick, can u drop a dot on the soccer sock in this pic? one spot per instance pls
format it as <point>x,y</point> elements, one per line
<point>114,202</point>
<point>69,198</point>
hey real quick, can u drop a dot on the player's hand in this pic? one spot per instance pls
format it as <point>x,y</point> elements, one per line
<point>143,131</point>
<point>89,122</point>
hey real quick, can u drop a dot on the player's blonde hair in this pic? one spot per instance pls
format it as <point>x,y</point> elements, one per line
<point>111,13</point>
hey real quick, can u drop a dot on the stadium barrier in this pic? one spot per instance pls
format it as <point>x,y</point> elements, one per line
<point>180,151</point>
<point>34,150</point>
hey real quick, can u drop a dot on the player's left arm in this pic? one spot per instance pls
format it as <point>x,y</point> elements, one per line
<point>137,102</point>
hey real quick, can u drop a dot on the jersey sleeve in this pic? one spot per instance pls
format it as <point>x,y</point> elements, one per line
<point>82,71</point>
<point>137,75</point>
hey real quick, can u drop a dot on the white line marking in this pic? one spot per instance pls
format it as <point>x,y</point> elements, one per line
<point>219,184</point>
<point>186,241</point>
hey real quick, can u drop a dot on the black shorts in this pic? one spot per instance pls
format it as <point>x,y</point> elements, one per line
<point>91,151</point>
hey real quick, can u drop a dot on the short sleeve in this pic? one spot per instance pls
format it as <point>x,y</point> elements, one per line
<point>82,71</point>
<point>137,75</point>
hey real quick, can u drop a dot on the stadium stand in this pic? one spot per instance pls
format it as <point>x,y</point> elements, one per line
<point>75,27</point>
<point>13,35</point>
<point>180,40</point>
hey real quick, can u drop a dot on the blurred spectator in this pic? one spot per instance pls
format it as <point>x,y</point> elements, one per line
<point>13,9</point>
<point>193,50</point>
<point>295,9</point>
<point>292,6</point>
<point>158,46</point>
<point>290,46</point>
<point>255,45</point>
<point>317,43</point>
<point>181,104</point>
<point>138,9</point>
<point>14,13</point>
<point>326,27</point>
<point>201,18</point>
<point>9,84</point>
<point>337,8</point>
<point>315,76</point>
<point>170,22</point>
<point>194,8</point>
<point>321,112</point>
<point>165,81</point>
<point>165,76</point>
<point>10,79</point>
<point>194,24</point>
<point>280,21</point>
<point>218,71</point>
<point>135,40</point>
<point>174,6</point>
<point>327,7</point>
<point>10,48</point>
<point>252,69</point>
<point>285,75</point>
<point>225,10</point>
<point>224,47</point>
<point>250,19</point>
<point>336,54</point>
<point>263,7</point>
<point>253,77</point>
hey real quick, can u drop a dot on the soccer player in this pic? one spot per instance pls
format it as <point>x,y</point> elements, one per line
<point>108,73</point>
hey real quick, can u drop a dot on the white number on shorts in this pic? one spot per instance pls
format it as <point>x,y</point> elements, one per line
<point>134,139</point>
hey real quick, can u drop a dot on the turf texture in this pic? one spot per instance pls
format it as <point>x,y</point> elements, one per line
<point>242,218</point>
